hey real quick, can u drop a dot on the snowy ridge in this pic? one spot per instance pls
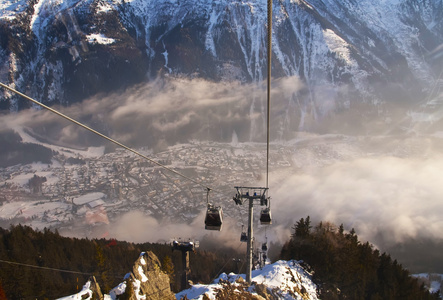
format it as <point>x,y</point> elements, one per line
<point>386,19</point>
<point>85,293</point>
<point>286,280</point>
<point>281,280</point>
<point>342,51</point>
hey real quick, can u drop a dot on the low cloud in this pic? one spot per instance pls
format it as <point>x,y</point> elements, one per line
<point>386,199</point>
<point>137,227</point>
<point>171,110</point>
<point>386,196</point>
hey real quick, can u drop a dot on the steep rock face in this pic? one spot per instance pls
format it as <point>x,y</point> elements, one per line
<point>148,280</point>
<point>50,51</point>
<point>345,52</point>
<point>95,289</point>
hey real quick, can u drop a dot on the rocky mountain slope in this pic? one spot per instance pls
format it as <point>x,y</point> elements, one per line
<point>345,53</point>
<point>280,280</point>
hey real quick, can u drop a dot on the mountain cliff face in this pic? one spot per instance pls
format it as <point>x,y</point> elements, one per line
<point>346,53</point>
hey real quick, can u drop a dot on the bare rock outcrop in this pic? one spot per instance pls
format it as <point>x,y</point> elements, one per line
<point>95,288</point>
<point>148,280</point>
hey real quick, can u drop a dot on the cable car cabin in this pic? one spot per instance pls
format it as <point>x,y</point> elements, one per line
<point>264,200</point>
<point>214,218</point>
<point>264,247</point>
<point>265,216</point>
<point>183,246</point>
<point>243,237</point>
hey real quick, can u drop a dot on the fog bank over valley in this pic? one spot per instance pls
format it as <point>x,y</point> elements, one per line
<point>373,167</point>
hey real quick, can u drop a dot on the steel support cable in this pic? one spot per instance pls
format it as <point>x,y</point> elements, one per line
<point>44,268</point>
<point>242,265</point>
<point>226,263</point>
<point>102,135</point>
<point>268,87</point>
<point>72,272</point>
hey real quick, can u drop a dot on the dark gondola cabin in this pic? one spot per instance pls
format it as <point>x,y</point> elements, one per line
<point>264,247</point>
<point>214,218</point>
<point>265,216</point>
<point>243,237</point>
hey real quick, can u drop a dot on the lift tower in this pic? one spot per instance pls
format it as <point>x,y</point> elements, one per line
<point>250,194</point>
<point>185,248</point>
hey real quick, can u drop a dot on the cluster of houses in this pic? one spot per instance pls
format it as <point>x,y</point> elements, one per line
<point>101,188</point>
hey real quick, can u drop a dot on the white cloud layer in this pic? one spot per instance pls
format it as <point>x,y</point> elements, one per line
<point>388,191</point>
<point>398,198</point>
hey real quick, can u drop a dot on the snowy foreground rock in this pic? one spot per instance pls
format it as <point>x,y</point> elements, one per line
<point>280,280</point>
<point>146,281</point>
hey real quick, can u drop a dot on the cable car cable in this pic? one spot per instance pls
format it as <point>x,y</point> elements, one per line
<point>101,135</point>
<point>227,261</point>
<point>72,272</point>
<point>48,268</point>
<point>268,87</point>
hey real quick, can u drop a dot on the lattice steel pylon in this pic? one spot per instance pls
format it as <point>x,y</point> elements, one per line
<point>251,194</point>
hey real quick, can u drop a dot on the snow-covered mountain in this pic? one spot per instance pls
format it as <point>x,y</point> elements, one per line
<point>345,53</point>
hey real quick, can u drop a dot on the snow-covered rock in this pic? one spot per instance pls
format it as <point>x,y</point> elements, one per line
<point>91,290</point>
<point>146,281</point>
<point>280,280</point>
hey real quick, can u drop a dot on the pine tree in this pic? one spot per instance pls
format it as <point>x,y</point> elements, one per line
<point>168,268</point>
<point>341,230</point>
<point>344,268</point>
<point>103,268</point>
<point>302,228</point>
